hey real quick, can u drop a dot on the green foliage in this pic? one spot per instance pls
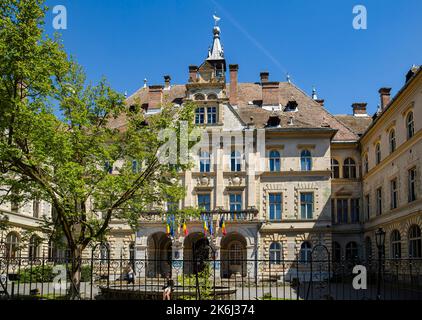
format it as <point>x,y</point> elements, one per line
<point>205,284</point>
<point>57,132</point>
<point>40,273</point>
<point>37,273</point>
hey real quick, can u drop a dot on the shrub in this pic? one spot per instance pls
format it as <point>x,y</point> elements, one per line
<point>37,274</point>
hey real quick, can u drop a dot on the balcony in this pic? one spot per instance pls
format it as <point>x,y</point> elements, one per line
<point>250,215</point>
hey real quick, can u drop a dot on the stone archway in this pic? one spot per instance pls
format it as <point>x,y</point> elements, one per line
<point>159,259</point>
<point>195,246</point>
<point>233,255</point>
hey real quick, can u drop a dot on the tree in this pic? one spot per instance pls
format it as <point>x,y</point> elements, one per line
<point>57,143</point>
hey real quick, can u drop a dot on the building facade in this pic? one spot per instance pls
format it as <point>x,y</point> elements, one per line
<point>281,172</point>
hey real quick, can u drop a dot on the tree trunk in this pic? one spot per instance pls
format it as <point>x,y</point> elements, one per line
<point>75,273</point>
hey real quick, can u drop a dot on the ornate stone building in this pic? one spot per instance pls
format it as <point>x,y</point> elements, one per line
<point>283,174</point>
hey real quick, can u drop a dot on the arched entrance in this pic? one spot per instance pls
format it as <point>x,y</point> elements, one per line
<point>159,255</point>
<point>195,248</point>
<point>233,255</point>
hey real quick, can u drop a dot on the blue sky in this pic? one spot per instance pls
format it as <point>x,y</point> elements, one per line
<point>314,41</point>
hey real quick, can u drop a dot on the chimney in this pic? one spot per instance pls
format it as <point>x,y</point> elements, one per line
<point>385,97</point>
<point>233,83</point>
<point>320,102</point>
<point>167,80</point>
<point>155,95</point>
<point>264,76</point>
<point>359,109</point>
<point>270,93</point>
<point>193,70</point>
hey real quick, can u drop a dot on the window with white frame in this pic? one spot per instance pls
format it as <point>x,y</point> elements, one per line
<point>274,161</point>
<point>275,206</point>
<point>306,160</point>
<point>305,252</point>
<point>212,115</point>
<point>394,194</point>
<point>335,169</point>
<point>349,169</point>
<point>200,115</point>
<point>235,161</point>
<point>415,242</point>
<point>307,205</point>
<point>204,161</point>
<point>395,240</point>
<point>392,138</point>
<point>410,125</point>
<point>378,153</point>
<point>412,185</point>
<point>276,253</point>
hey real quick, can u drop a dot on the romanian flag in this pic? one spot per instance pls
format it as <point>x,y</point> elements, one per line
<point>205,227</point>
<point>223,226</point>
<point>168,228</point>
<point>211,229</point>
<point>185,229</point>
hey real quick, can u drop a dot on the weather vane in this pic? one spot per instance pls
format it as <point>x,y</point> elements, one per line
<point>216,19</point>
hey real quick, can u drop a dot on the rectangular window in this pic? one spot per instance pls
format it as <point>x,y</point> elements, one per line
<point>204,201</point>
<point>342,210</point>
<point>355,210</point>
<point>412,185</point>
<point>235,205</point>
<point>379,201</point>
<point>275,208</point>
<point>36,208</point>
<point>307,205</point>
<point>200,115</point>
<point>394,194</point>
<point>211,115</point>
<point>368,207</point>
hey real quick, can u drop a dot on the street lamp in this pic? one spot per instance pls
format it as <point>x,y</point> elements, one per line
<point>380,241</point>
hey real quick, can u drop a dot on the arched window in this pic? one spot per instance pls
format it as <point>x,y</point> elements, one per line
<point>368,248</point>
<point>12,245</point>
<point>377,153</point>
<point>351,251</point>
<point>33,249</point>
<point>306,160</point>
<point>274,161</point>
<point>415,242</point>
<point>276,253</point>
<point>235,161</point>
<point>200,115</point>
<point>410,125</point>
<point>212,96</point>
<point>392,139</point>
<point>395,240</point>
<point>305,252</point>
<point>235,253</point>
<point>335,169</point>
<point>349,169</point>
<point>199,97</point>
<point>204,161</point>
<point>336,252</point>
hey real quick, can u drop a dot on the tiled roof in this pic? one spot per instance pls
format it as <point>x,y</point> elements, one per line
<point>357,124</point>
<point>309,113</point>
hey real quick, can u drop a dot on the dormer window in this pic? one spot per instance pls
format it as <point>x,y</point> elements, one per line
<point>199,97</point>
<point>212,96</point>
<point>291,106</point>
<point>273,121</point>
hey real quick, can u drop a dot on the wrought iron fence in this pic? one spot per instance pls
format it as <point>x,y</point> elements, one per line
<point>236,279</point>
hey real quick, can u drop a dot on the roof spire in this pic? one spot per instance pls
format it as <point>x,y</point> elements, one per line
<point>216,52</point>
<point>145,82</point>
<point>314,93</point>
<point>288,78</point>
